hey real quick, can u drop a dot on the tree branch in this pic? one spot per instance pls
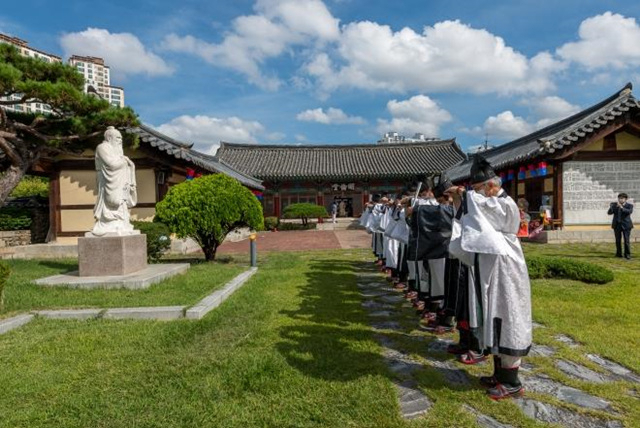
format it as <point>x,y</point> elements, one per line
<point>15,158</point>
<point>47,138</point>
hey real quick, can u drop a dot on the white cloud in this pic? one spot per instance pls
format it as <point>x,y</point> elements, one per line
<point>418,114</point>
<point>300,138</point>
<point>277,26</point>
<point>607,40</point>
<point>449,56</point>
<point>333,116</point>
<point>207,131</point>
<point>507,126</point>
<point>276,136</point>
<point>544,112</point>
<point>123,52</point>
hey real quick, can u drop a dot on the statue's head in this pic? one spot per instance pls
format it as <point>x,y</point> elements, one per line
<point>112,135</point>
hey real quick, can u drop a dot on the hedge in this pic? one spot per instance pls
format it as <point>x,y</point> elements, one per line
<point>15,219</point>
<point>4,274</point>
<point>158,238</point>
<point>271,223</point>
<point>558,267</point>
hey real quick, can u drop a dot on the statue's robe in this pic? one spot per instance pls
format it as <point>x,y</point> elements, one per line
<point>116,181</point>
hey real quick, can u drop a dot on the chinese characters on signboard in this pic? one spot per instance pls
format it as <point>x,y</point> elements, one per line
<point>343,187</point>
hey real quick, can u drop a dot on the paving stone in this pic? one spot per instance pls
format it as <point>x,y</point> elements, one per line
<point>616,369</point>
<point>12,323</point>
<point>526,367</point>
<point>393,298</point>
<point>383,340</point>
<point>373,293</point>
<point>538,325</point>
<point>541,350</point>
<point>450,372</point>
<point>382,314</point>
<point>581,372</point>
<point>566,340</point>
<point>439,345</point>
<point>413,403</point>
<point>551,414</point>
<point>484,420</point>
<point>387,325</point>
<point>215,299</point>
<point>372,304</point>
<point>545,385</point>
<point>400,363</point>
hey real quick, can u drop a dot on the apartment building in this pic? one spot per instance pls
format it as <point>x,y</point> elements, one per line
<point>97,76</point>
<point>26,50</point>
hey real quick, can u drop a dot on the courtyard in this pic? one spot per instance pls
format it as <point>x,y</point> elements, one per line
<point>315,338</point>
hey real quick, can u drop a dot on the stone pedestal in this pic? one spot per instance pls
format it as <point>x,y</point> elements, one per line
<point>112,255</point>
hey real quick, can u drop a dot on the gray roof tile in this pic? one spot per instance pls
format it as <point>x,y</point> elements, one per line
<point>333,162</point>
<point>184,151</point>
<point>555,137</point>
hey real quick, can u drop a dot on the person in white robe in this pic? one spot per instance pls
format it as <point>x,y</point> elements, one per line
<point>501,305</point>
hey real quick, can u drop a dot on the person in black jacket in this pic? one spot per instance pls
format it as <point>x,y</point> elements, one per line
<point>621,224</point>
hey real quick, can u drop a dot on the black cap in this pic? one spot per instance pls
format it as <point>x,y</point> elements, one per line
<point>443,185</point>
<point>481,170</point>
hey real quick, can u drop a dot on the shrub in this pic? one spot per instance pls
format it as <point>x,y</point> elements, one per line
<point>4,274</point>
<point>14,219</point>
<point>31,186</point>
<point>206,209</point>
<point>158,238</point>
<point>558,267</point>
<point>305,211</point>
<point>296,226</point>
<point>270,223</point>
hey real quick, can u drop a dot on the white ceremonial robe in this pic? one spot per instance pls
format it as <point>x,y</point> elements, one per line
<point>501,297</point>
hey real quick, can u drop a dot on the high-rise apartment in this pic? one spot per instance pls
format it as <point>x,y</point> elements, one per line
<point>97,78</point>
<point>26,50</point>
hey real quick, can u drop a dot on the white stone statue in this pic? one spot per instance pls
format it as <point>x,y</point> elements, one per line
<point>116,178</point>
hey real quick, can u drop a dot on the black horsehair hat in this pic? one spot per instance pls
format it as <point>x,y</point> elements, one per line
<point>443,184</point>
<point>481,170</point>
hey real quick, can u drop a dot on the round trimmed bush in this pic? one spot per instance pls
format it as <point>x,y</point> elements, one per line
<point>558,267</point>
<point>158,238</point>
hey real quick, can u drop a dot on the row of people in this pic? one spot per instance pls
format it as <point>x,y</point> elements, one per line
<point>455,255</point>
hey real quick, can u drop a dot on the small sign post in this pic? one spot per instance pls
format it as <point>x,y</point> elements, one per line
<point>253,250</point>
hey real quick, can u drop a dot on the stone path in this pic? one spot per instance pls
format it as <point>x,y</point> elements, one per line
<point>302,240</point>
<point>547,400</point>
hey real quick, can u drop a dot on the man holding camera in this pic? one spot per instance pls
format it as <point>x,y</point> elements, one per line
<point>621,224</point>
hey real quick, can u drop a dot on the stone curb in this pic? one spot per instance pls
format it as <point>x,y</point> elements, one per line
<point>14,322</point>
<point>161,313</point>
<point>75,314</point>
<point>216,298</point>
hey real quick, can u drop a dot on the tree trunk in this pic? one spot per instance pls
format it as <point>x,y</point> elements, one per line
<point>8,181</point>
<point>209,247</point>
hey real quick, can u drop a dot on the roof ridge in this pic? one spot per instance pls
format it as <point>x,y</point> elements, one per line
<point>563,123</point>
<point>227,145</point>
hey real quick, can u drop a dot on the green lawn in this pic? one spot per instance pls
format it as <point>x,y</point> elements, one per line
<point>292,348</point>
<point>22,295</point>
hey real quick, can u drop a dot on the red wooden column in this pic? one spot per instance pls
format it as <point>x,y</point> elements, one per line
<point>276,204</point>
<point>320,199</point>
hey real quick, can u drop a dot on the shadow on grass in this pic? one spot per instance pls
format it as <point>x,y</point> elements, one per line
<point>331,338</point>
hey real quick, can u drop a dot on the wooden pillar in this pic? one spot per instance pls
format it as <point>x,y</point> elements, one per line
<point>276,204</point>
<point>54,206</point>
<point>557,192</point>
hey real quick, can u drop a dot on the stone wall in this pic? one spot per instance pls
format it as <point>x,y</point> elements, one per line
<point>13,238</point>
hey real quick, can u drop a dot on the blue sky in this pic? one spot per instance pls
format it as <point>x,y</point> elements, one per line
<point>345,71</point>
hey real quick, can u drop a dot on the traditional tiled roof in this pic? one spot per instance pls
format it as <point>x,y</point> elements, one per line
<point>331,162</point>
<point>185,152</point>
<point>556,137</point>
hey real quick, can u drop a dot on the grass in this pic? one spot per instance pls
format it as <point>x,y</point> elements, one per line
<point>292,348</point>
<point>22,295</point>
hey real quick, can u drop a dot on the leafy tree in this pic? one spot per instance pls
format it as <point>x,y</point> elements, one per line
<point>206,209</point>
<point>304,211</point>
<point>77,119</point>
<point>31,186</point>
